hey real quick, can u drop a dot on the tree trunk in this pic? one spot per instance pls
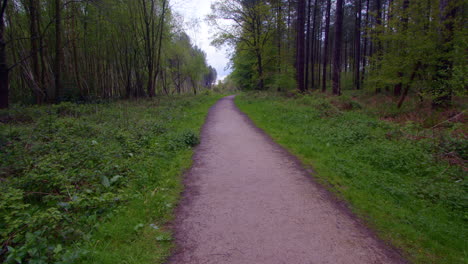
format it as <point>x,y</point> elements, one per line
<point>300,45</point>
<point>357,45</point>
<point>325,49</point>
<point>398,87</point>
<point>337,48</point>
<point>314,44</point>
<point>76,64</point>
<point>161,31</point>
<point>58,50</point>
<point>261,85</point>
<point>4,71</point>
<point>309,47</point>
<point>443,93</point>
<point>34,40</point>
<point>366,40</point>
<point>378,43</point>
<point>279,21</point>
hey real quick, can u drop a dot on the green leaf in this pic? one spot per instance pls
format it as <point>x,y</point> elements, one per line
<point>138,227</point>
<point>105,181</point>
<point>115,179</point>
<point>57,249</point>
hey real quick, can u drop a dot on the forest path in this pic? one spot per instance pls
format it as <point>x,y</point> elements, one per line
<point>248,201</point>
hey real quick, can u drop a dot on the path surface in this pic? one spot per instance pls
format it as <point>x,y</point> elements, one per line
<point>248,201</point>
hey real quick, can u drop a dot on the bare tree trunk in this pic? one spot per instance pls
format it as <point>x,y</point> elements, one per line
<point>4,71</point>
<point>314,44</point>
<point>161,31</point>
<point>300,45</point>
<point>366,40</point>
<point>309,47</point>
<point>76,64</point>
<point>326,44</point>
<point>260,70</point>
<point>378,43</point>
<point>34,40</point>
<point>279,20</point>
<point>58,50</point>
<point>357,45</point>
<point>337,48</point>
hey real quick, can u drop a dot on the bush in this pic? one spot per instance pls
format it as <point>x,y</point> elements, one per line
<point>186,139</point>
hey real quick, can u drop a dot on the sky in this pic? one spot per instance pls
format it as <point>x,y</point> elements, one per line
<point>194,13</point>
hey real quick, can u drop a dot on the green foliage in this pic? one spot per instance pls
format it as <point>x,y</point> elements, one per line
<point>130,39</point>
<point>414,44</point>
<point>403,187</point>
<point>72,170</point>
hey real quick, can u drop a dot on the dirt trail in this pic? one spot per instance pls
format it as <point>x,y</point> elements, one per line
<point>248,201</point>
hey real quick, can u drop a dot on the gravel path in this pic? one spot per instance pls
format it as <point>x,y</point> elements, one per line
<point>248,201</point>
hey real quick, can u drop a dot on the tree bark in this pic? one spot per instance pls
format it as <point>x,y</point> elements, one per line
<point>4,71</point>
<point>314,44</point>
<point>326,44</point>
<point>58,50</point>
<point>34,41</point>
<point>357,45</point>
<point>366,40</point>
<point>161,31</point>
<point>300,45</point>
<point>309,47</point>
<point>337,48</point>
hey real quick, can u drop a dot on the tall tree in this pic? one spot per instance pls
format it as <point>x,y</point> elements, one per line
<point>404,20</point>
<point>58,50</point>
<point>326,45</point>
<point>366,41</point>
<point>4,71</point>
<point>308,44</point>
<point>443,91</point>
<point>300,45</point>
<point>252,28</point>
<point>34,37</point>
<point>357,45</point>
<point>338,48</point>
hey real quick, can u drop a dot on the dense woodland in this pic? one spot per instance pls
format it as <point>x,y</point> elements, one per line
<point>391,46</point>
<point>56,50</point>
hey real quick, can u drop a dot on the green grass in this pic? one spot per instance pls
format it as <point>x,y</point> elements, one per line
<point>95,183</point>
<point>416,203</point>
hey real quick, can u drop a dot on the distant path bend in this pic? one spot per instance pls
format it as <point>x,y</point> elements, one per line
<point>248,201</point>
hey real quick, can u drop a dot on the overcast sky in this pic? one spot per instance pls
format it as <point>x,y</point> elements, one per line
<point>194,12</point>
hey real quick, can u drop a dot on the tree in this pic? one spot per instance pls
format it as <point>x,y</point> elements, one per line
<point>443,91</point>
<point>252,27</point>
<point>337,48</point>
<point>300,46</point>
<point>79,50</point>
<point>34,36</point>
<point>4,71</point>
<point>58,50</point>
<point>326,45</point>
<point>357,45</point>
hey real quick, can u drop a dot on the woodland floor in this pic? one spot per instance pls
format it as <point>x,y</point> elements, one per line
<point>247,200</point>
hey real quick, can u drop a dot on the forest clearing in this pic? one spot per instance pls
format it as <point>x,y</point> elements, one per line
<point>236,131</point>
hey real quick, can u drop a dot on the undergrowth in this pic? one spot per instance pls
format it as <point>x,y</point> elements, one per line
<point>94,183</point>
<point>391,174</point>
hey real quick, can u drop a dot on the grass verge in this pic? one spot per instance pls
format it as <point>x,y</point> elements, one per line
<point>412,200</point>
<point>95,183</point>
